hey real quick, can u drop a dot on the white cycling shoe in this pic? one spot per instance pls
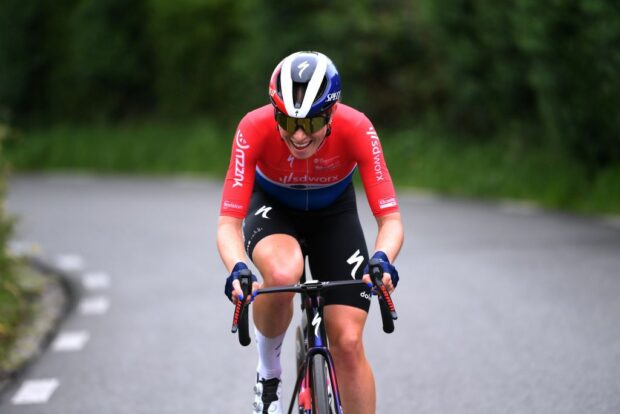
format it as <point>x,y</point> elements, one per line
<point>267,396</point>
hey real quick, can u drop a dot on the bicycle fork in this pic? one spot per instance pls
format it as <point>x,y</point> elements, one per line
<point>303,385</point>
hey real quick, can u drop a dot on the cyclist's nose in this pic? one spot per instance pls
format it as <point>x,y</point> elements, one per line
<point>300,134</point>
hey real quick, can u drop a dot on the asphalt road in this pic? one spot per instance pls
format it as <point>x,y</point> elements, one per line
<point>503,309</point>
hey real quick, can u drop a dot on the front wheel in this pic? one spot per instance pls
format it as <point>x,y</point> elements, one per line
<point>322,398</point>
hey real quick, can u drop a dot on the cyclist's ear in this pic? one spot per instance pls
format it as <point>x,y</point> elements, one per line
<point>334,109</point>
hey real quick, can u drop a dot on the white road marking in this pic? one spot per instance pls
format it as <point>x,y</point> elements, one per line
<point>69,262</point>
<point>96,280</point>
<point>70,341</point>
<point>35,391</point>
<point>96,305</point>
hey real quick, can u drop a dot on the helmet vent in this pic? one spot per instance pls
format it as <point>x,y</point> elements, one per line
<point>299,91</point>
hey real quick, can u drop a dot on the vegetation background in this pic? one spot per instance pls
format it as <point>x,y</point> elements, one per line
<point>513,99</point>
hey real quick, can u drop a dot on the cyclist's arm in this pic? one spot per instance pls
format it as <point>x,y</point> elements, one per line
<point>230,241</point>
<point>390,235</point>
<point>230,246</point>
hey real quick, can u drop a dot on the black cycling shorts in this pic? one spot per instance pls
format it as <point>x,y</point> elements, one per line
<point>331,238</point>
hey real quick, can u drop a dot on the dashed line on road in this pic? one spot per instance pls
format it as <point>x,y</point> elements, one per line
<point>96,305</point>
<point>96,280</point>
<point>69,262</point>
<point>35,391</point>
<point>70,341</point>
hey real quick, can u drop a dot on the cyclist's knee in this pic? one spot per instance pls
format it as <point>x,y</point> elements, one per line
<point>279,259</point>
<point>348,349</point>
<point>279,276</point>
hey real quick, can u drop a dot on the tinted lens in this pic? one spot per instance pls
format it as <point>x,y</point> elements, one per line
<point>309,125</point>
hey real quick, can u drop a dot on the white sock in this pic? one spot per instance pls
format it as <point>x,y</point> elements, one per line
<point>269,355</point>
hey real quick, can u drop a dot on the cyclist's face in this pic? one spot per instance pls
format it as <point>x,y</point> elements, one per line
<point>303,145</point>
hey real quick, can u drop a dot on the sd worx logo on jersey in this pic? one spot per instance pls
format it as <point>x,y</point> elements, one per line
<point>376,154</point>
<point>241,146</point>
<point>307,179</point>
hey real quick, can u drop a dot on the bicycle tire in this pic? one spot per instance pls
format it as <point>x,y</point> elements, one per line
<point>300,348</point>
<point>320,394</point>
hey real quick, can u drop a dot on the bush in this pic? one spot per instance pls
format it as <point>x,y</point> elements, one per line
<point>548,72</point>
<point>12,307</point>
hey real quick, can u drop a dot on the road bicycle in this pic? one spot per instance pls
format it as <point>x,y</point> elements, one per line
<point>316,388</point>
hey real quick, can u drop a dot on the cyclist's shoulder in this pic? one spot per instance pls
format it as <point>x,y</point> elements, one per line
<point>348,113</point>
<point>259,116</point>
<point>350,118</point>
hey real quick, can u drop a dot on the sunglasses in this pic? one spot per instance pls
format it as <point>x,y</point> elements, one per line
<point>310,125</point>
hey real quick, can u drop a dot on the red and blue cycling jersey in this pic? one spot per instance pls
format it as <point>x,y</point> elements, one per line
<point>259,155</point>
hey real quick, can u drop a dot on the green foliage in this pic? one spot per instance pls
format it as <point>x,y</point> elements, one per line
<point>108,66</point>
<point>158,147</point>
<point>545,72</point>
<point>12,308</point>
<point>194,41</point>
<point>5,223</point>
<point>552,68</point>
<point>419,157</point>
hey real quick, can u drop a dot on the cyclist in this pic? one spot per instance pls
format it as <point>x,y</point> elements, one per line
<point>289,195</point>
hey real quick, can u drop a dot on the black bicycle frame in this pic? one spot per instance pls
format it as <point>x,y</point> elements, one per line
<point>316,336</point>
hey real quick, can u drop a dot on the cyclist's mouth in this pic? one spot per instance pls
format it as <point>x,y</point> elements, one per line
<point>301,146</point>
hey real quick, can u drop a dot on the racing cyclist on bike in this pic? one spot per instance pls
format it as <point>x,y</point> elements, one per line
<point>289,195</point>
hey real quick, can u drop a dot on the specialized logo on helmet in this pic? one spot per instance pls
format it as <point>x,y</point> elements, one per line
<point>333,96</point>
<point>302,66</point>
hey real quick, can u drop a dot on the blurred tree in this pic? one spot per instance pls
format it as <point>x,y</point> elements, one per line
<point>194,42</point>
<point>108,69</point>
<point>24,57</point>
<point>573,51</point>
<point>543,73</point>
<point>6,264</point>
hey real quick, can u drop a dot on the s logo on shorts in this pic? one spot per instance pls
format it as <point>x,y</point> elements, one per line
<point>264,210</point>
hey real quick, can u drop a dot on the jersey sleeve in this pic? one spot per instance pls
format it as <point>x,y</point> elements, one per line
<point>240,176</point>
<point>373,169</point>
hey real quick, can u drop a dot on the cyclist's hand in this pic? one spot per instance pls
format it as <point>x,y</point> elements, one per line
<point>387,281</point>
<point>232,288</point>
<point>390,274</point>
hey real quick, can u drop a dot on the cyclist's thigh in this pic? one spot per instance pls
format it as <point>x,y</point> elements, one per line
<point>271,242</point>
<point>337,251</point>
<point>346,324</point>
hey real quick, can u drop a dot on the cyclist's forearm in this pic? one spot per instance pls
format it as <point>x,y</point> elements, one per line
<point>390,235</point>
<point>230,241</point>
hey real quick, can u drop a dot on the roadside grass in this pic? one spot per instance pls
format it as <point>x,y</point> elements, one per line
<point>420,158</point>
<point>13,309</point>
<point>17,291</point>
<point>153,147</point>
<point>501,169</point>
